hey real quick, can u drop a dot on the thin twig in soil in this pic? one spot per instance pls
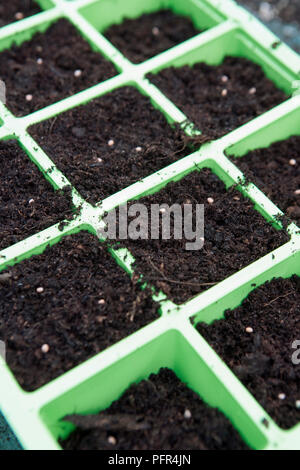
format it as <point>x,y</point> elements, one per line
<point>279,297</point>
<point>52,125</point>
<point>182,282</point>
<point>172,281</point>
<point>155,268</point>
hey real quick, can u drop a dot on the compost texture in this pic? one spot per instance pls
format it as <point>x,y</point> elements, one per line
<point>110,143</point>
<point>150,34</point>
<point>218,99</point>
<point>32,84</point>
<point>15,10</point>
<point>263,359</point>
<point>276,171</point>
<point>153,415</point>
<point>66,305</point>
<point>235,236</point>
<point>28,201</point>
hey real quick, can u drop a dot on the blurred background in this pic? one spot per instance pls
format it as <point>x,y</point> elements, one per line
<point>281,16</point>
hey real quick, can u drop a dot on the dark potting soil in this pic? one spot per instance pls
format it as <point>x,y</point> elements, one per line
<point>63,51</point>
<point>8,441</point>
<point>110,143</point>
<point>75,275</point>
<point>9,10</point>
<point>151,415</point>
<point>235,236</point>
<point>275,172</point>
<point>288,11</point>
<point>197,91</point>
<point>263,359</point>
<point>28,202</point>
<point>150,34</point>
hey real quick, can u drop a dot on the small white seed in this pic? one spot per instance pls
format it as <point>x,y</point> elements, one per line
<point>78,73</point>
<point>224,92</point>
<point>19,15</point>
<point>249,329</point>
<point>292,162</point>
<point>39,61</point>
<point>101,302</point>
<point>210,200</point>
<point>28,97</point>
<point>112,440</point>
<point>138,149</point>
<point>187,414</point>
<point>45,348</point>
<point>282,396</point>
<point>297,404</point>
<point>31,201</point>
<point>155,31</point>
<point>224,78</point>
<point>297,192</point>
<point>40,290</point>
<point>111,142</point>
<point>252,91</point>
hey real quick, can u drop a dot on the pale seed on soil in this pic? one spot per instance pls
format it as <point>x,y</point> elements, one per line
<point>282,396</point>
<point>19,15</point>
<point>45,348</point>
<point>112,440</point>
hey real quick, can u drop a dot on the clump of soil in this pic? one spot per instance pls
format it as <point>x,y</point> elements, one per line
<point>110,143</point>
<point>276,171</point>
<point>32,84</point>
<point>66,305</point>
<point>28,202</point>
<point>150,34</point>
<point>15,10</point>
<point>159,413</point>
<point>218,99</point>
<point>235,236</point>
<point>263,359</point>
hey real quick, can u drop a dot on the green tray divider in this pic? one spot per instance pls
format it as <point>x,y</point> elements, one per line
<point>171,340</point>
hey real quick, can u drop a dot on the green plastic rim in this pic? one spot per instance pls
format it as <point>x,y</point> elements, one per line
<point>171,341</point>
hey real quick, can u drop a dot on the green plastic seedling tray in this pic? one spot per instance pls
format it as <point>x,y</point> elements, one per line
<point>170,341</point>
